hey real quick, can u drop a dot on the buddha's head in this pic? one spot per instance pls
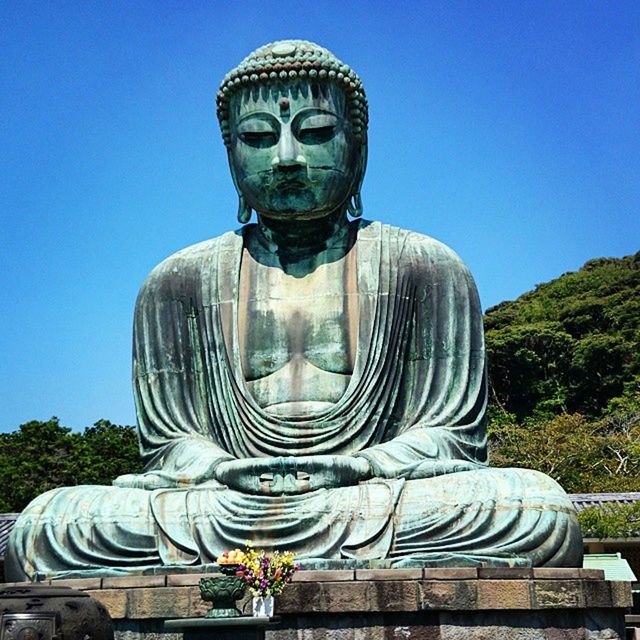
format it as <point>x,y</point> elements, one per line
<point>294,121</point>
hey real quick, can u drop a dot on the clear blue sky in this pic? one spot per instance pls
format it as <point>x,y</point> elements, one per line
<point>508,130</point>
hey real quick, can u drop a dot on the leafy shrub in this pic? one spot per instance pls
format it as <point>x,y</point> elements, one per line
<point>611,521</point>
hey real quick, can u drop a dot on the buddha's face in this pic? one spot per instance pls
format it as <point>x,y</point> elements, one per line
<point>293,152</point>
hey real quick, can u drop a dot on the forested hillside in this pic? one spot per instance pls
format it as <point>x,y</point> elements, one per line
<point>564,369</point>
<point>570,344</point>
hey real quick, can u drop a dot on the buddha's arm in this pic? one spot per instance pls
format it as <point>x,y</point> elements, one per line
<point>183,462</point>
<point>421,452</point>
<point>174,424</point>
<point>444,391</point>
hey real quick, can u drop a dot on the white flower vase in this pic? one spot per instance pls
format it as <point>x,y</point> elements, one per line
<point>263,606</point>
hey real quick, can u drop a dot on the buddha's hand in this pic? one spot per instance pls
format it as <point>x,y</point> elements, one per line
<point>290,475</point>
<point>148,481</point>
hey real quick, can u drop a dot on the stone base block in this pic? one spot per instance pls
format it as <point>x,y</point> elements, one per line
<point>478,625</point>
<point>392,604</point>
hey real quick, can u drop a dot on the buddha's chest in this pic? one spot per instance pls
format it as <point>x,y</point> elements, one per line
<point>309,320</point>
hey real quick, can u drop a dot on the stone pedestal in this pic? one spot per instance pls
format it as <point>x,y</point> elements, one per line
<point>402,604</point>
<point>242,628</point>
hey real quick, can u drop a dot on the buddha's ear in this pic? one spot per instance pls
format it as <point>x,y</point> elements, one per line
<point>244,210</point>
<point>354,203</point>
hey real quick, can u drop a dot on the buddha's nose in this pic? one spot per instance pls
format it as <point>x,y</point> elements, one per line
<point>288,156</point>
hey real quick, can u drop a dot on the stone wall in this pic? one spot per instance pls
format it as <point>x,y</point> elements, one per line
<point>407,604</point>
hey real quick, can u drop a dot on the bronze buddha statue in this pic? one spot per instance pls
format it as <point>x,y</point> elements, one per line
<point>311,381</point>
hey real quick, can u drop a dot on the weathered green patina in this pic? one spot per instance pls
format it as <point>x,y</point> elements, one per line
<point>309,382</point>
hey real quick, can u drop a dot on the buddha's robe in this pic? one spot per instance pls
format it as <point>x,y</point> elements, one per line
<point>414,408</point>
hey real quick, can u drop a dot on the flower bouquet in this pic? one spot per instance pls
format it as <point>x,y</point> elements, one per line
<point>265,575</point>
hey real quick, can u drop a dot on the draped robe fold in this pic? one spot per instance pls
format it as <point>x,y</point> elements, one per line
<point>414,408</point>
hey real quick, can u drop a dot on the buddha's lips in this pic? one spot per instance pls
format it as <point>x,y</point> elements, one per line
<point>287,183</point>
<point>299,180</point>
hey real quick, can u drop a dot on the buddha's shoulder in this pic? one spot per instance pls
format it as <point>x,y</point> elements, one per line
<point>205,250</point>
<point>186,266</point>
<point>411,247</point>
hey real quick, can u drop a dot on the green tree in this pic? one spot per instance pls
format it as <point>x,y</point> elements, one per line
<point>582,454</point>
<point>33,460</point>
<point>528,365</point>
<point>40,456</point>
<point>611,521</point>
<point>106,451</point>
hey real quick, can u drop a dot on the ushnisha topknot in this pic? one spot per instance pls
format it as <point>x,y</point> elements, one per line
<point>287,60</point>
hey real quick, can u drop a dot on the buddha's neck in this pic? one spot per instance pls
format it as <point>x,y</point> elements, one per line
<point>300,239</point>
